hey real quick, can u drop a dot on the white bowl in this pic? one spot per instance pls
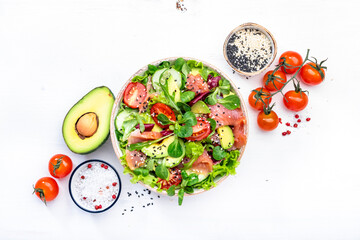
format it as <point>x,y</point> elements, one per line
<point>119,97</point>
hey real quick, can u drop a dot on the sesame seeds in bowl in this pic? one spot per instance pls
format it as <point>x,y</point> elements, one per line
<point>249,49</point>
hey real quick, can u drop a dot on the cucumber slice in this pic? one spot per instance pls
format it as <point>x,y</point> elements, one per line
<point>156,79</point>
<point>162,75</point>
<point>176,75</point>
<point>121,117</point>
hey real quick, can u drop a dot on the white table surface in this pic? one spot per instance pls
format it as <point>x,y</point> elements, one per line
<point>303,186</point>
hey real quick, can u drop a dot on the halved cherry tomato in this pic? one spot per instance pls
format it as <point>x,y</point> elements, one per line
<point>46,189</point>
<point>268,122</point>
<point>158,108</point>
<point>291,58</point>
<point>312,74</point>
<point>295,100</point>
<point>134,94</point>
<point>276,82</point>
<point>258,104</point>
<point>201,130</point>
<point>174,179</point>
<point>60,166</point>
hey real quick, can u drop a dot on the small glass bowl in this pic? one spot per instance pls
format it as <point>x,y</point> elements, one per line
<point>79,172</point>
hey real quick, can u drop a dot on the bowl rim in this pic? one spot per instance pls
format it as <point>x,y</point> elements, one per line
<point>114,140</point>
<point>262,29</point>
<point>71,178</point>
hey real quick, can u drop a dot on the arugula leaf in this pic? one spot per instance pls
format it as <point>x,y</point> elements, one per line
<point>181,196</point>
<point>128,127</point>
<point>161,171</point>
<point>219,153</point>
<point>171,191</point>
<point>185,69</point>
<point>230,102</point>
<point>178,64</point>
<point>211,99</point>
<point>170,99</point>
<point>176,148</point>
<point>187,96</point>
<point>140,145</point>
<point>140,121</point>
<point>163,119</point>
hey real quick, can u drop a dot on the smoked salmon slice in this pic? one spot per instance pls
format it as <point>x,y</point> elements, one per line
<point>196,84</point>
<point>234,118</point>
<point>202,165</point>
<point>136,136</point>
<point>135,159</point>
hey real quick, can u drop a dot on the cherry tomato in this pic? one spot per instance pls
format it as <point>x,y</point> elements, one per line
<point>268,122</point>
<point>60,166</point>
<point>201,130</point>
<point>291,58</point>
<point>276,82</point>
<point>158,108</point>
<point>261,93</point>
<point>134,94</point>
<point>312,74</point>
<point>174,179</point>
<point>46,189</point>
<point>295,100</point>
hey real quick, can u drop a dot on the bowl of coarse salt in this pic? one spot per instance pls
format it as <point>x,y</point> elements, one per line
<point>249,49</point>
<point>94,186</point>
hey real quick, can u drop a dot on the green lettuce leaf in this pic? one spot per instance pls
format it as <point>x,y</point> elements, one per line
<point>226,167</point>
<point>149,179</point>
<point>192,150</point>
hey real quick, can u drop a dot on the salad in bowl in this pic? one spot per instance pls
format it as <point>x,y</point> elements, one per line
<point>179,126</point>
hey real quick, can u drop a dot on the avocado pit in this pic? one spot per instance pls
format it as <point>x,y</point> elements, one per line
<point>87,125</point>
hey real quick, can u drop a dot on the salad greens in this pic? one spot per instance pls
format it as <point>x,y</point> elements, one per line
<point>176,148</point>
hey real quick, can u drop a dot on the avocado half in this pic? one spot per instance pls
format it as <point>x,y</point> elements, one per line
<point>87,124</point>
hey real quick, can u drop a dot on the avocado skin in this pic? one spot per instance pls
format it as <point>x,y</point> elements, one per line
<point>63,126</point>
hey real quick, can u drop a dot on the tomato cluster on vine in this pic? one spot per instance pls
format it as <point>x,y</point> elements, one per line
<point>290,65</point>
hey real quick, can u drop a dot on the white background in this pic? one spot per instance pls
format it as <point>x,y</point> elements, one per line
<point>302,186</point>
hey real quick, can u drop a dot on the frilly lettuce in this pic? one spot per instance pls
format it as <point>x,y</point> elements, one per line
<point>149,179</point>
<point>224,168</point>
<point>193,150</point>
